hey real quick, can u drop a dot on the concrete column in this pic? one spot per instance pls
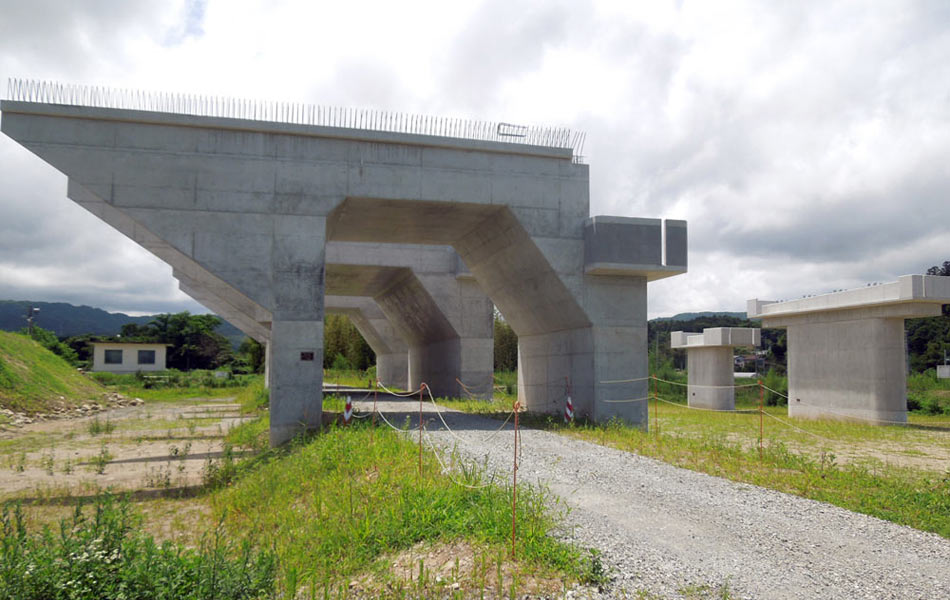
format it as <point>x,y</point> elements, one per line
<point>710,378</point>
<point>852,368</point>
<point>393,369</point>
<point>710,363</point>
<point>846,350</point>
<point>296,348</point>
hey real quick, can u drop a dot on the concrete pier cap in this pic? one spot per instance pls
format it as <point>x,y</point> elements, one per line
<point>247,200</point>
<point>846,350</point>
<point>710,364</point>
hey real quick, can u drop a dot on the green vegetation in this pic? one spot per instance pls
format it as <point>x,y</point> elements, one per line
<point>338,506</point>
<point>33,379</point>
<point>174,385</point>
<point>103,555</point>
<point>343,346</point>
<point>350,377</point>
<point>928,395</point>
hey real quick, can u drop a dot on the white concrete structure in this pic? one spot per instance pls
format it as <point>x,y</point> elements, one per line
<point>943,371</point>
<point>846,350</point>
<point>247,205</point>
<point>710,363</point>
<point>128,357</point>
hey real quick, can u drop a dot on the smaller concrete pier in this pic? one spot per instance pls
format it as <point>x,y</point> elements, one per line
<point>710,363</point>
<point>846,350</point>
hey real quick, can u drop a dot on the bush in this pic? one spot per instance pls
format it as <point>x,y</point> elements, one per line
<point>340,363</point>
<point>106,556</point>
<point>778,383</point>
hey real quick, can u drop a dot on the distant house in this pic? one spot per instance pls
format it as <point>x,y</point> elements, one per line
<point>128,357</point>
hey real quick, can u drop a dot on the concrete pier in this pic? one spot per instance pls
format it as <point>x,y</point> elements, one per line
<point>710,364</point>
<point>846,350</point>
<point>250,206</point>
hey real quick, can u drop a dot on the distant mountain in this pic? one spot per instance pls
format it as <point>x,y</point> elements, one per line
<point>696,315</point>
<point>66,320</point>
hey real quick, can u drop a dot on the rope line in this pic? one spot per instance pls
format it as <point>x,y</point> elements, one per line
<point>775,391</point>
<point>720,410</point>
<point>397,394</point>
<point>627,400</point>
<point>784,422</point>
<point>719,387</point>
<point>609,381</point>
<point>448,471</point>
<point>385,420</point>
<point>455,435</point>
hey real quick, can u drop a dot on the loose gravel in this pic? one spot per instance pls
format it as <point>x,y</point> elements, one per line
<point>675,533</point>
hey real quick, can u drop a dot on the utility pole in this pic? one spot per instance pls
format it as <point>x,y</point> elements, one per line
<point>30,315</point>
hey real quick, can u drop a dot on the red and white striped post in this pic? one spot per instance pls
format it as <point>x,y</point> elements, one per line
<point>348,411</point>
<point>568,406</point>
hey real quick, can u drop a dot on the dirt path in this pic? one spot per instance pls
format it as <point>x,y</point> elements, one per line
<point>678,533</point>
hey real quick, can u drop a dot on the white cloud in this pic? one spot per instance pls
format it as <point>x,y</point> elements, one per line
<point>805,143</point>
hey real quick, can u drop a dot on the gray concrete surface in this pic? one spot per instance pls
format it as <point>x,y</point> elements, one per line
<point>846,350</point>
<point>710,364</point>
<point>667,532</point>
<point>251,205</point>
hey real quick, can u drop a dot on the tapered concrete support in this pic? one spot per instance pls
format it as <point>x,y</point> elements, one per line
<point>710,363</point>
<point>846,350</point>
<point>392,352</point>
<point>437,308</point>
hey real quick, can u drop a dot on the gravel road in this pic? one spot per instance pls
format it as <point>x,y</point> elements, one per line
<point>669,531</point>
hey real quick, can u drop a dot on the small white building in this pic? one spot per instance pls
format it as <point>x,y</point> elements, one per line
<point>128,357</point>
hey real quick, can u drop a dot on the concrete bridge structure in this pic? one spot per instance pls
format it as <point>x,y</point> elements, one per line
<point>846,350</point>
<point>444,335</point>
<point>710,365</point>
<point>244,197</point>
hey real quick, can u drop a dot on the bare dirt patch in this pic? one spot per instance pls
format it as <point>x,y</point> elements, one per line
<point>154,450</point>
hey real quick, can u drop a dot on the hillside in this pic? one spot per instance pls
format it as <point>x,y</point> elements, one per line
<point>689,316</point>
<point>67,320</point>
<point>33,379</point>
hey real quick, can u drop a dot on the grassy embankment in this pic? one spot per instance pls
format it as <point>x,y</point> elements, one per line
<point>33,379</point>
<point>898,473</point>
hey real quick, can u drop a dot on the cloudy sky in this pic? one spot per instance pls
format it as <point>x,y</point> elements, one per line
<point>807,143</point>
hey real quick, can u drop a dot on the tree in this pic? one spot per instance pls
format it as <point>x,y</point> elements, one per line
<point>506,345</point>
<point>343,346</point>
<point>48,340</point>
<point>943,270</point>
<point>251,352</point>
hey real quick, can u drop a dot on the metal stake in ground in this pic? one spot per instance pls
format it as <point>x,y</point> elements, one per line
<point>656,407</point>
<point>761,411</point>
<point>421,387</point>
<point>514,483</point>
<point>375,399</point>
